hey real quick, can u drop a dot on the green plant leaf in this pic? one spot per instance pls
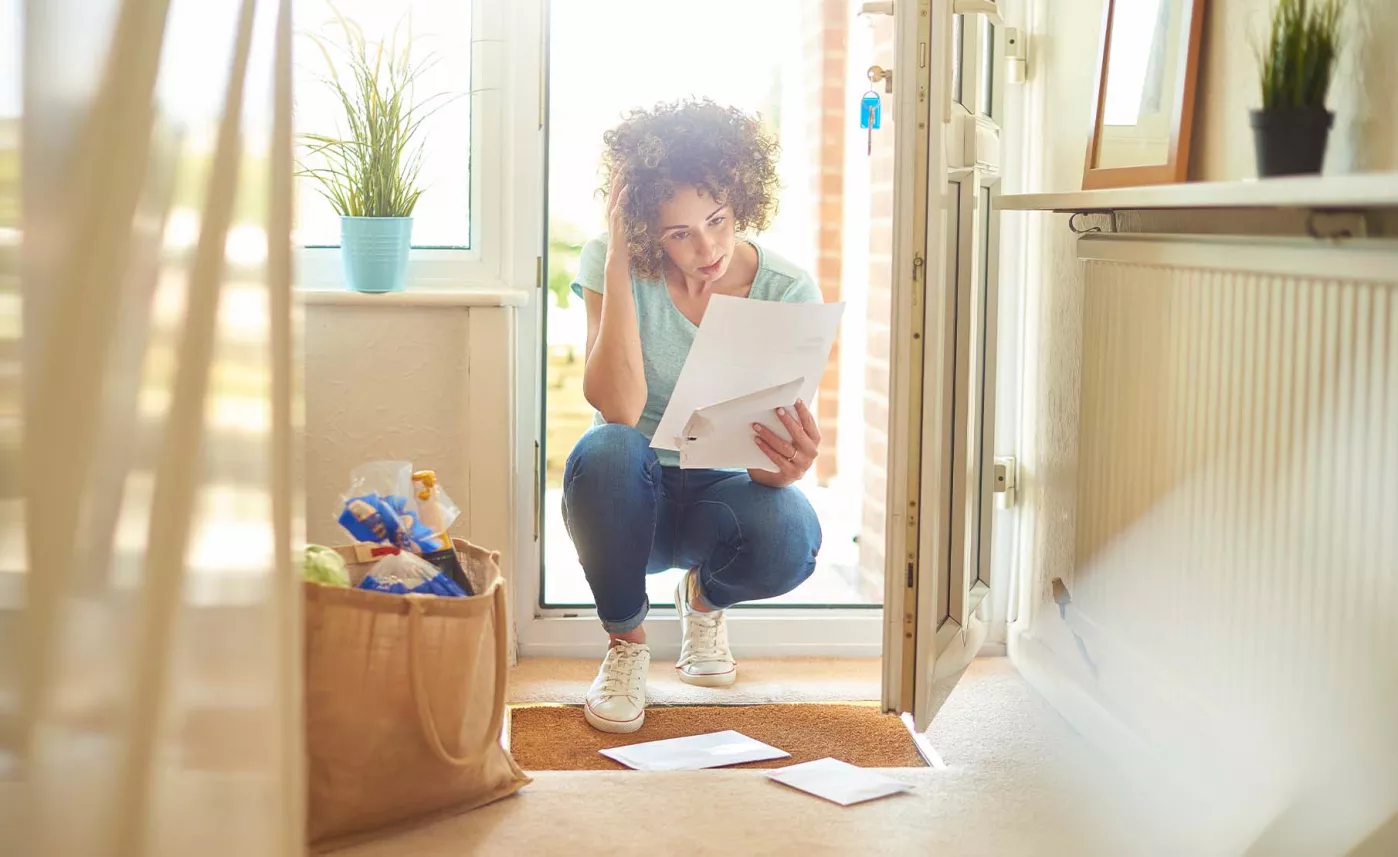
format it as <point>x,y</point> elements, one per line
<point>371,167</point>
<point>1297,63</point>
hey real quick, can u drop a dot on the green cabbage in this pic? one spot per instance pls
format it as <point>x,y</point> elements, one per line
<point>324,565</point>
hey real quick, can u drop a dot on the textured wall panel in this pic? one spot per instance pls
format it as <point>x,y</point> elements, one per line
<point>430,385</point>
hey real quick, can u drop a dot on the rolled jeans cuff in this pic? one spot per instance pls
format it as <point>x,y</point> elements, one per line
<point>703,601</point>
<point>626,626</point>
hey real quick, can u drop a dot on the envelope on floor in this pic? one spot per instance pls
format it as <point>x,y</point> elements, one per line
<point>693,753</point>
<point>838,782</point>
<point>721,435</point>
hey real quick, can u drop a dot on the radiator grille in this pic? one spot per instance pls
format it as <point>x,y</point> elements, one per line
<point>1237,512</point>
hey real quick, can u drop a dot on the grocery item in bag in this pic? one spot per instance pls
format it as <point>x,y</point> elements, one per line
<point>389,503</point>
<point>401,572</point>
<point>371,518</point>
<point>320,564</point>
<point>437,512</point>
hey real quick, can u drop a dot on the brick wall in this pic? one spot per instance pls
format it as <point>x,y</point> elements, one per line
<point>878,345</point>
<point>826,37</point>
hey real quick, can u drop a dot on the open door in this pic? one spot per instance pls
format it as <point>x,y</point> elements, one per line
<point>942,405</point>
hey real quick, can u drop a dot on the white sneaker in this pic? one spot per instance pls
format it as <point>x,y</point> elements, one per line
<point>616,702</point>
<point>705,659</point>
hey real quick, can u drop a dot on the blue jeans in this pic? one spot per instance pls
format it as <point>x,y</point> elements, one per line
<point>629,517</point>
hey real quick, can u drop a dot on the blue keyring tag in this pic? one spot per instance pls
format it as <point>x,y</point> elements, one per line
<point>870,111</point>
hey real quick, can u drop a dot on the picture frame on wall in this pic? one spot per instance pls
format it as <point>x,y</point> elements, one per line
<point>1143,106</point>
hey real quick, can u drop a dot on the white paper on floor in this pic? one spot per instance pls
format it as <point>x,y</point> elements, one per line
<point>695,752</point>
<point>838,781</point>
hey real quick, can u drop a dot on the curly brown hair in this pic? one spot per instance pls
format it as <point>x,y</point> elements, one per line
<point>719,150</point>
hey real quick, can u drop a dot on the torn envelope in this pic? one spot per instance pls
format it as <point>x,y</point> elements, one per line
<point>721,436</point>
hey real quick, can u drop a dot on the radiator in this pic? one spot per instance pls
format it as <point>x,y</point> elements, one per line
<point>1237,502</point>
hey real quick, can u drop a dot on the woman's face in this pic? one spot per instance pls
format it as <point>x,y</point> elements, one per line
<point>697,234</point>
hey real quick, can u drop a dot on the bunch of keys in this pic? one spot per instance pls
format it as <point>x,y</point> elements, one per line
<point>871,106</point>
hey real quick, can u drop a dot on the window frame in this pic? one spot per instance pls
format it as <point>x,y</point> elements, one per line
<point>501,43</point>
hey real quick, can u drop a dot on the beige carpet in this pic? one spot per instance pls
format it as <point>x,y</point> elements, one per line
<point>557,738</point>
<point>1020,783</point>
<point>766,680</point>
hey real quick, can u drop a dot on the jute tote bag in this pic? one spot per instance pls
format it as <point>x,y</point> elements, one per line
<point>405,700</point>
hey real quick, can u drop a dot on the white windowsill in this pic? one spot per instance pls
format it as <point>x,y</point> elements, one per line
<point>416,298</point>
<point>753,631</point>
<point>1362,190</point>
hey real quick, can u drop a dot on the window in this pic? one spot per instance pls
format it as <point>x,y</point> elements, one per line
<point>439,32</point>
<point>481,155</point>
<point>1136,74</point>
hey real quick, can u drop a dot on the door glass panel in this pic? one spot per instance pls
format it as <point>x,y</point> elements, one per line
<point>954,249</point>
<point>983,333</point>
<point>987,81</point>
<point>804,77</point>
<point>958,40</point>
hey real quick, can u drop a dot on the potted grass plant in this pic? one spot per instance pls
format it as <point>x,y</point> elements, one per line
<point>368,169</point>
<point>1297,63</point>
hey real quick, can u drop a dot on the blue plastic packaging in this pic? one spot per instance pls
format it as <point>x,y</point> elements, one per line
<point>371,518</point>
<point>405,573</point>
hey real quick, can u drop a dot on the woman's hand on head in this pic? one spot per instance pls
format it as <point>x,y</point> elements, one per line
<point>793,458</point>
<point>614,379</point>
<point>617,248</point>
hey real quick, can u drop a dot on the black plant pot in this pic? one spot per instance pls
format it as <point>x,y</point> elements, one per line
<point>1291,140</point>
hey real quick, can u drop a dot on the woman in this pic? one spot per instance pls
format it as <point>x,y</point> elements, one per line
<point>687,182</point>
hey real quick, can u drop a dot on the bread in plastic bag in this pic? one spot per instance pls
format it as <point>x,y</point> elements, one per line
<point>406,573</point>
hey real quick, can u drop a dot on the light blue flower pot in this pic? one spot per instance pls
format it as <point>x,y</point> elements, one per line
<point>375,252</point>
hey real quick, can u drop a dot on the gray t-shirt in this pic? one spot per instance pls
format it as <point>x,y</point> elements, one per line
<point>666,335</point>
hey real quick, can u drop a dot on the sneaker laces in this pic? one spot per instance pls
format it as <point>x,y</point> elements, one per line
<point>705,638</point>
<point>621,669</point>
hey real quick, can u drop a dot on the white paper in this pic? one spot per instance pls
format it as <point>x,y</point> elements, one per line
<point>838,782</point>
<point>695,752</point>
<point>721,435</point>
<point>745,347</point>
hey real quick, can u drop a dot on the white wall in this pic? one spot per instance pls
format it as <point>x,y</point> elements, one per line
<point>427,384</point>
<point>1364,96</point>
<point>1181,646</point>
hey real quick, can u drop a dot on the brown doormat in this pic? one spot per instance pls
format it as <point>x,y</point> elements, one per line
<point>557,738</point>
